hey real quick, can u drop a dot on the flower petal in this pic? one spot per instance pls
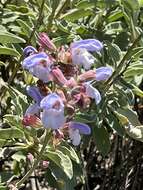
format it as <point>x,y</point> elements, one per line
<point>52,118</point>
<point>33,109</point>
<point>75,136</point>
<point>38,65</point>
<point>83,128</point>
<point>103,73</point>
<point>89,44</point>
<point>28,51</point>
<point>34,93</point>
<point>82,57</point>
<point>49,101</point>
<point>93,93</point>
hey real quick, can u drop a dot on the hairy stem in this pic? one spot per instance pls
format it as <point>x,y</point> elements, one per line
<point>27,175</point>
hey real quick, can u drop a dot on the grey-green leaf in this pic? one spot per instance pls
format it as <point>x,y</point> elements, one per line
<point>10,133</point>
<point>62,160</point>
<point>8,51</point>
<point>7,37</point>
<point>101,138</point>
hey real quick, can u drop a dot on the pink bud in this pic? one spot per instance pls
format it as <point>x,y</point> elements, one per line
<point>31,120</point>
<point>45,42</point>
<point>45,164</point>
<point>30,157</point>
<point>89,75</point>
<point>58,76</point>
<point>71,83</point>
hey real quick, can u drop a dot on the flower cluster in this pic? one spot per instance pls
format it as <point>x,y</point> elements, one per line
<point>64,85</point>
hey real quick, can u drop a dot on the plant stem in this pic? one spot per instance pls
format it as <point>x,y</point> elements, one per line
<point>27,175</point>
<point>38,22</point>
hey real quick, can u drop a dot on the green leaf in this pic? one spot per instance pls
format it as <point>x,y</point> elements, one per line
<point>132,4</point>
<point>69,151</point>
<point>130,114</point>
<point>24,27</point>
<point>140,3</point>
<point>131,72</point>
<point>76,14</point>
<point>116,15</point>
<point>85,4</point>
<point>137,91</point>
<point>136,52</point>
<point>13,120</point>
<point>3,188</point>
<point>18,156</point>
<point>2,63</point>
<point>115,124</point>
<point>114,51</point>
<point>8,51</point>
<point>113,27</point>
<point>51,179</point>
<point>61,160</point>
<point>6,37</point>
<point>101,138</point>
<point>10,133</point>
<point>5,142</point>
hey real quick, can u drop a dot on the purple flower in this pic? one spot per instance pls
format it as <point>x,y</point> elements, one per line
<point>53,111</point>
<point>103,73</point>
<point>38,65</point>
<point>82,57</point>
<point>75,129</point>
<point>92,92</point>
<point>33,110</point>
<point>28,51</point>
<point>88,44</point>
<point>83,128</point>
<point>34,93</point>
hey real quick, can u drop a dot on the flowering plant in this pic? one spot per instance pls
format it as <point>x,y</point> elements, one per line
<point>69,92</point>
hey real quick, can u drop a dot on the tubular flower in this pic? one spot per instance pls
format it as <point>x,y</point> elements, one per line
<point>39,66</point>
<point>86,76</point>
<point>93,93</point>
<point>29,50</point>
<point>58,76</point>
<point>82,57</point>
<point>103,73</point>
<point>53,111</point>
<point>34,93</point>
<point>45,42</point>
<point>88,44</point>
<point>75,129</point>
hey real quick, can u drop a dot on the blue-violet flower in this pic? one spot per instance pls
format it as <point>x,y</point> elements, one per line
<point>39,66</point>
<point>53,111</point>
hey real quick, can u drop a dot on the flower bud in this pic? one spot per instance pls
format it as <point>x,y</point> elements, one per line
<point>30,157</point>
<point>45,164</point>
<point>58,76</point>
<point>45,42</point>
<point>89,75</point>
<point>31,120</point>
